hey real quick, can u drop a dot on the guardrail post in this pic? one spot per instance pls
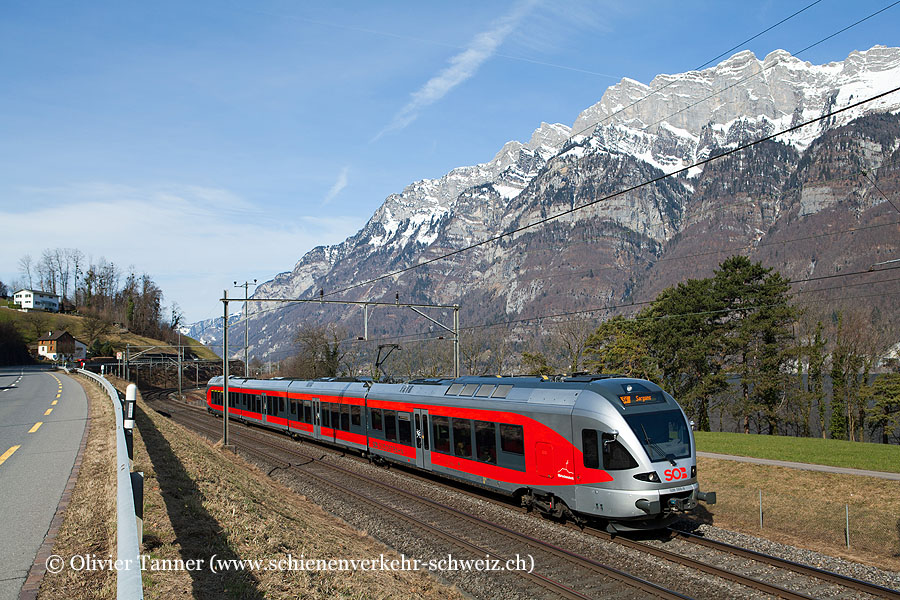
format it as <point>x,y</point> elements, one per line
<point>137,490</point>
<point>128,420</point>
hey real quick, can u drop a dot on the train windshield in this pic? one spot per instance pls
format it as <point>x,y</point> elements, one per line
<point>664,434</point>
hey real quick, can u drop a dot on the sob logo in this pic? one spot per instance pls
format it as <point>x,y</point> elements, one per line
<point>675,474</point>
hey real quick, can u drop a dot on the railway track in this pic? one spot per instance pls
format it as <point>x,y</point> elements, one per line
<point>591,576</point>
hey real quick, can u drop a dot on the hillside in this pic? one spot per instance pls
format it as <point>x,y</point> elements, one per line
<point>119,337</point>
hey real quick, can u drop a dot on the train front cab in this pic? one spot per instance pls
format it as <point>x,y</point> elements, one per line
<point>638,435</point>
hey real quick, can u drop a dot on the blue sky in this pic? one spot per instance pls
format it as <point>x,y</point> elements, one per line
<point>207,142</point>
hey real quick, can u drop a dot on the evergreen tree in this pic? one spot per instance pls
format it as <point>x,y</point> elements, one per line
<point>756,323</point>
<point>620,345</point>
<point>685,337</point>
<point>839,359</point>
<point>884,414</point>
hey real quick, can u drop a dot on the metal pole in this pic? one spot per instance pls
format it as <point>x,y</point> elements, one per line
<point>847,528</point>
<point>456,340</point>
<point>225,371</point>
<point>179,367</point>
<point>245,285</point>
<point>127,368</point>
<point>760,510</point>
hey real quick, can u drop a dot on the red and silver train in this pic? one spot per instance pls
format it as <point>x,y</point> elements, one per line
<point>612,448</point>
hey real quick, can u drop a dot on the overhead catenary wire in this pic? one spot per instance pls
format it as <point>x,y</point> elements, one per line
<point>607,197</point>
<point>655,180</point>
<point>506,234</point>
<point>627,305</point>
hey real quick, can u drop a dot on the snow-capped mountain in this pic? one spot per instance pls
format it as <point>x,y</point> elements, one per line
<point>620,248</point>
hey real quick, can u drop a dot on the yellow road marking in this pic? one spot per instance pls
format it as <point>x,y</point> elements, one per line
<point>36,427</point>
<point>48,411</point>
<point>58,395</point>
<point>7,454</point>
<point>54,403</point>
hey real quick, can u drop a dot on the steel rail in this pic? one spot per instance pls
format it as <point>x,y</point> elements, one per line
<point>610,572</point>
<point>815,572</point>
<point>763,586</point>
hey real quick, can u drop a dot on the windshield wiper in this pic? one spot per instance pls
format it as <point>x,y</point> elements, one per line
<point>654,446</point>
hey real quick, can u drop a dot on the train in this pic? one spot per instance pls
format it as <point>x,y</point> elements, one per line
<point>585,448</point>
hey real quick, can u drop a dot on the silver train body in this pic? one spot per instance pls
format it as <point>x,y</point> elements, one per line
<point>611,448</point>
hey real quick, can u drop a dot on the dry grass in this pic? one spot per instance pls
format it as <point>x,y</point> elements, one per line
<point>201,500</point>
<point>89,526</point>
<point>807,508</point>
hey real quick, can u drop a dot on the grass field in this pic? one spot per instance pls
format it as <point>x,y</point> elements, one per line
<point>836,453</point>
<point>806,509</point>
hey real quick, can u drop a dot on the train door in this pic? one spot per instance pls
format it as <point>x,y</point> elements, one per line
<point>264,409</point>
<point>543,459</point>
<point>423,438</point>
<point>317,417</point>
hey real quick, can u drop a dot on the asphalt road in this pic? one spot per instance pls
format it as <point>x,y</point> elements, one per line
<point>42,419</point>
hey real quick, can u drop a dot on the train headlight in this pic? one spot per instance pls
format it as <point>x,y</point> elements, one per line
<point>652,477</point>
<point>693,471</point>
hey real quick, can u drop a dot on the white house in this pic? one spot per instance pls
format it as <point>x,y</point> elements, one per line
<point>31,299</point>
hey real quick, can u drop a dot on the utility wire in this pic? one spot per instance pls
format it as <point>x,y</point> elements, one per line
<point>627,190</point>
<point>611,307</point>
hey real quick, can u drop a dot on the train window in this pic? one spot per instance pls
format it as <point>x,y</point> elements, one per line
<point>335,415</point>
<point>280,405</point>
<point>418,432</point>
<point>512,439</point>
<point>615,456</point>
<point>293,407</point>
<point>663,434</point>
<point>453,389</point>
<point>307,412</point>
<point>390,425</point>
<point>356,415</point>
<point>441,434</point>
<point>484,391</point>
<point>345,417</point>
<point>468,389</point>
<point>486,442</point>
<point>425,429</point>
<point>404,429</point>
<point>326,414</point>
<point>501,391</point>
<point>462,437</point>
<point>270,410</point>
<point>376,419</point>
<point>590,448</point>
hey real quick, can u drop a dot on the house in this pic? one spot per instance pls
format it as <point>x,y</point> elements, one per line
<point>60,345</point>
<point>31,299</point>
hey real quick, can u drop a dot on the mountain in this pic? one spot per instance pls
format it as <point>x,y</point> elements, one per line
<point>784,201</point>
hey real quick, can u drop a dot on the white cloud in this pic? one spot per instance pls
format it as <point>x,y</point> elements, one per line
<point>338,186</point>
<point>193,241</point>
<point>462,66</point>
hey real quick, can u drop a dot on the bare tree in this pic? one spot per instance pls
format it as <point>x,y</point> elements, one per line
<point>475,351</point>
<point>572,337</point>
<point>37,322</point>
<point>94,328</point>
<point>320,353</point>
<point>26,269</point>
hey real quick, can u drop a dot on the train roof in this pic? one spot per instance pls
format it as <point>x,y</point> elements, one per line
<point>560,391</point>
